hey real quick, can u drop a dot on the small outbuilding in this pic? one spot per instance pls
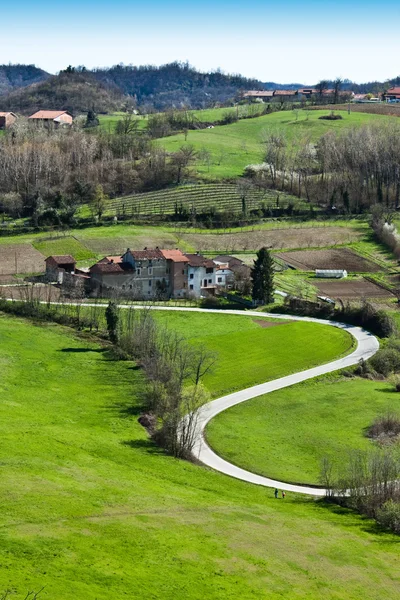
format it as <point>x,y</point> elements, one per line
<point>7,119</point>
<point>56,266</point>
<point>331,273</point>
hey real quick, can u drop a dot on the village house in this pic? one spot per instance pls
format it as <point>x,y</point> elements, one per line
<point>177,271</point>
<point>230,270</point>
<point>137,273</point>
<point>55,117</point>
<point>201,275</point>
<point>7,119</point>
<point>392,94</point>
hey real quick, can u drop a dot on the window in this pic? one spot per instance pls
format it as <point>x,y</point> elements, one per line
<point>150,282</point>
<point>191,276</point>
<point>183,271</point>
<point>191,287</point>
<point>209,270</point>
<point>210,281</point>
<point>150,270</point>
<point>130,287</point>
<point>184,284</point>
<point>123,286</point>
<point>219,279</point>
<point>138,271</point>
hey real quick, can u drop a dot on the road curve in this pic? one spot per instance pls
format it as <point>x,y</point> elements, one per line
<point>367,345</point>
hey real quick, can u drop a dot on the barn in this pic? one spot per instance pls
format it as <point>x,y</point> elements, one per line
<point>7,119</point>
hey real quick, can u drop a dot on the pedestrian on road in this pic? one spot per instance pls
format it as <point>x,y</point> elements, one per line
<point>283,494</point>
<point>276,493</point>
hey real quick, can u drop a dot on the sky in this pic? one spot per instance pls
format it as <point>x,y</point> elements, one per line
<point>272,40</point>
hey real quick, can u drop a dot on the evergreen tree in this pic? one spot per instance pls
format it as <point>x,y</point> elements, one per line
<point>112,318</point>
<point>91,119</point>
<point>262,275</point>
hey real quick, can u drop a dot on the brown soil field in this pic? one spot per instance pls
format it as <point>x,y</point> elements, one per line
<point>296,237</point>
<point>293,237</point>
<point>340,258</point>
<point>20,258</point>
<point>356,289</point>
<point>25,292</point>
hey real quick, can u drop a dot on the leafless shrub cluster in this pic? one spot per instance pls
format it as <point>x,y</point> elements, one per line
<point>369,483</point>
<point>385,429</point>
<point>174,370</point>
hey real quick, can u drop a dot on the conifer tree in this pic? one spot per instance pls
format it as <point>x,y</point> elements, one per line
<point>262,275</point>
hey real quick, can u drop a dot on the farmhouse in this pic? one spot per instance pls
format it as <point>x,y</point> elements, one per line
<point>392,95</point>
<point>56,266</point>
<point>7,119</point>
<point>229,270</point>
<point>57,117</point>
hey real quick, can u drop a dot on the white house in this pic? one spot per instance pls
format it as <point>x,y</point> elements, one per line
<point>201,275</point>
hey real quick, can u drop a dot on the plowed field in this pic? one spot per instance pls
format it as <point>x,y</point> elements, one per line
<point>20,258</point>
<point>340,258</point>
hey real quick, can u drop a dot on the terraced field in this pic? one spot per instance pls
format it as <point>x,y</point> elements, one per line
<point>217,197</point>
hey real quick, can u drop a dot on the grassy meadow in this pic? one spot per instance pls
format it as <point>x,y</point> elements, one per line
<point>250,353</point>
<point>234,146</point>
<point>285,434</point>
<point>92,510</point>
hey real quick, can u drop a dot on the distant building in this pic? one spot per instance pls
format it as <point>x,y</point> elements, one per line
<point>258,95</point>
<point>331,273</point>
<point>392,94</point>
<point>57,117</point>
<point>7,119</point>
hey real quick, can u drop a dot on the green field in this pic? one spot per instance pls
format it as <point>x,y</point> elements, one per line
<point>285,434</point>
<point>92,510</point>
<point>232,147</point>
<point>64,245</point>
<point>249,354</point>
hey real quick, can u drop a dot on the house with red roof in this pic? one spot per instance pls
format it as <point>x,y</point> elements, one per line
<point>392,94</point>
<point>55,117</point>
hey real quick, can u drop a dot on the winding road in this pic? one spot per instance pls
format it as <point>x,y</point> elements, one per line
<point>367,345</point>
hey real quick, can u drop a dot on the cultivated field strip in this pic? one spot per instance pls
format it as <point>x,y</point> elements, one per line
<point>200,198</point>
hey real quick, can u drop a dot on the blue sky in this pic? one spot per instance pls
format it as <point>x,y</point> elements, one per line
<point>291,40</point>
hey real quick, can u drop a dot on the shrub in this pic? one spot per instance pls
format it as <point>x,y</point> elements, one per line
<point>389,516</point>
<point>386,361</point>
<point>387,426</point>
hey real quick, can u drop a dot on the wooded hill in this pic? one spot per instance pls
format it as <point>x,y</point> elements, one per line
<point>19,76</point>
<point>104,90</point>
<point>77,92</point>
<point>174,85</point>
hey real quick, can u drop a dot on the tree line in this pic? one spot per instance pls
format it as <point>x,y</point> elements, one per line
<point>348,171</point>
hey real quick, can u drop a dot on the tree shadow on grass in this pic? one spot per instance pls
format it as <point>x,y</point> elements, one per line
<point>148,445</point>
<point>352,519</point>
<point>81,350</point>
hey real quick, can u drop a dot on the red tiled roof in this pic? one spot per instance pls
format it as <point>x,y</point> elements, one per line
<point>174,255</point>
<point>197,260</point>
<point>285,92</point>
<point>62,259</point>
<point>4,114</point>
<point>393,91</point>
<point>111,267</point>
<point>148,254</point>
<point>115,259</point>
<point>48,114</point>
